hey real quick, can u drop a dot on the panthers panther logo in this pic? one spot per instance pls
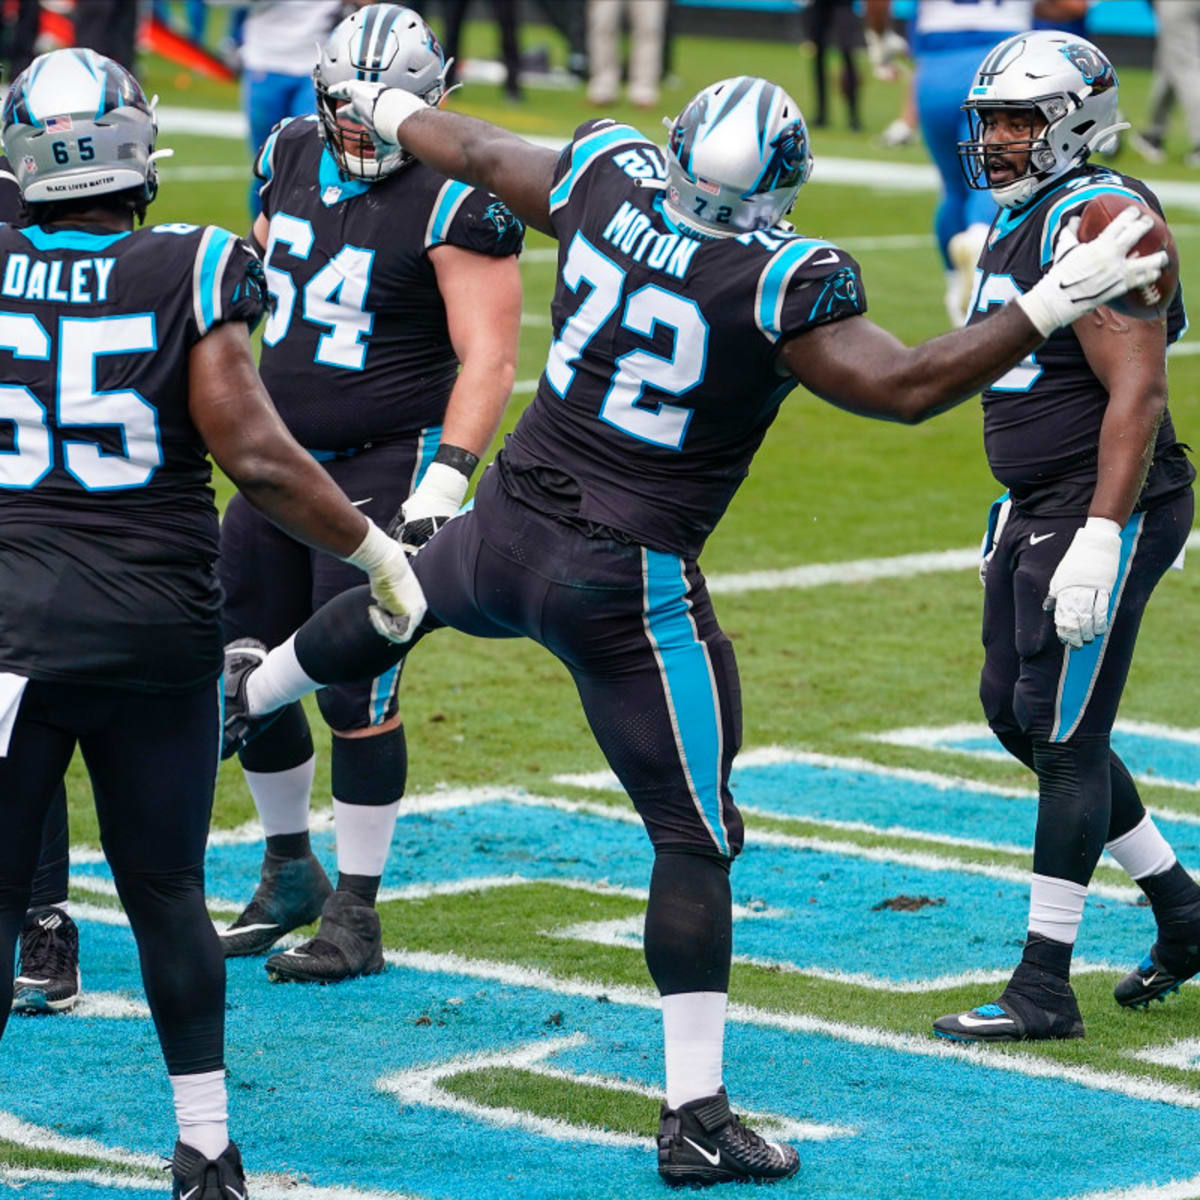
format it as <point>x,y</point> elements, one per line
<point>1092,65</point>
<point>502,219</point>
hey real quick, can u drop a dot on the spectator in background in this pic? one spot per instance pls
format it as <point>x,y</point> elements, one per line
<point>1176,78</point>
<point>505,12</point>
<point>18,32</point>
<point>109,27</point>
<point>279,50</point>
<point>647,20</point>
<point>831,21</point>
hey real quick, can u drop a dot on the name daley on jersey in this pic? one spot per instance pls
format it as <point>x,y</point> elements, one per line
<point>85,281</point>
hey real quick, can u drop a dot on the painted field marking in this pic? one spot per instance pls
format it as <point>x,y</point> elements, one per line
<point>1010,1062</point>
<point>964,740</point>
<point>423,1086</point>
<point>1183,1054</point>
<point>1183,1189</point>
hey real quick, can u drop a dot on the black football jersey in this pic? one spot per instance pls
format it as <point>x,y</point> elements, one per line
<point>1042,419</point>
<point>661,381</point>
<point>108,531</point>
<point>357,349</point>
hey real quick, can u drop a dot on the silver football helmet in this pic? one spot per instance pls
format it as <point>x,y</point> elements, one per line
<point>736,157</point>
<point>1069,89</point>
<point>78,124</point>
<point>384,43</point>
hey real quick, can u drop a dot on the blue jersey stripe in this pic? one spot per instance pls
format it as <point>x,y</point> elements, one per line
<point>585,151</point>
<point>1083,665</point>
<point>1081,196</point>
<point>451,196</point>
<point>214,251</point>
<point>772,284</point>
<point>691,690</point>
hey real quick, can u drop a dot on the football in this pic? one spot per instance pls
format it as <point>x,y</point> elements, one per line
<point>1150,302</point>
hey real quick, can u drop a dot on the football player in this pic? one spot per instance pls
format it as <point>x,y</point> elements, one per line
<point>1100,505</point>
<point>387,276</point>
<point>48,966</point>
<point>685,312</point>
<point>127,360</point>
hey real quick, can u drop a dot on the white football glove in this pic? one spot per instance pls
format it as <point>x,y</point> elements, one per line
<point>437,499</point>
<point>1085,275</point>
<point>1083,582</point>
<point>379,109</point>
<point>884,52</point>
<point>991,537</point>
<point>399,602</point>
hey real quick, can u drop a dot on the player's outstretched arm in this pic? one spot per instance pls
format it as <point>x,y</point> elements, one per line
<point>234,415</point>
<point>462,147</point>
<point>860,367</point>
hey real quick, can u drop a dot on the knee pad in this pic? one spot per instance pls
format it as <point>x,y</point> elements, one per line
<point>369,770</point>
<point>352,706</point>
<point>285,743</point>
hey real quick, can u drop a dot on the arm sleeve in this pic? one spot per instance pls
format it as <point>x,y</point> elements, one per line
<point>228,283</point>
<point>479,221</point>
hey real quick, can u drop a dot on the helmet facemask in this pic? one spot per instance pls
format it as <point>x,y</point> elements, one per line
<point>358,155</point>
<point>977,154</point>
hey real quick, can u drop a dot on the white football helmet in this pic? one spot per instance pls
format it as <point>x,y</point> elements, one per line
<point>736,157</point>
<point>383,43</point>
<point>1066,84</point>
<point>78,124</point>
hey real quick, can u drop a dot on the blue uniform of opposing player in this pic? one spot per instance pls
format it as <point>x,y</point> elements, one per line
<point>685,312</point>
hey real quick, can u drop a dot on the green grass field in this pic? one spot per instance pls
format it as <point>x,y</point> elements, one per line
<point>820,667</point>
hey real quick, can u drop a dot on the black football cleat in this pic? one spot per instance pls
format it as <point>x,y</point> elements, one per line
<point>1163,971</point>
<point>1036,1006</point>
<point>348,943</point>
<point>194,1177</point>
<point>291,892</point>
<point>242,658</point>
<point>48,975</point>
<point>703,1142</point>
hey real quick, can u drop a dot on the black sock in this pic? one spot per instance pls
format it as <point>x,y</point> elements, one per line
<point>689,935</point>
<point>289,845</point>
<point>365,887</point>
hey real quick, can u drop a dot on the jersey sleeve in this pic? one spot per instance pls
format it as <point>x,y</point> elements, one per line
<point>1072,205</point>
<point>475,220</point>
<point>805,284</point>
<point>594,142</point>
<point>228,283</point>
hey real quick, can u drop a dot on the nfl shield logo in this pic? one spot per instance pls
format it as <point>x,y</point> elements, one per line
<point>30,164</point>
<point>332,194</point>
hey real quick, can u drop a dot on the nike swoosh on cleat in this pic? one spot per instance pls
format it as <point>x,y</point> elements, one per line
<point>235,929</point>
<point>24,979</point>
<point>296,953</point>
<point>189,1193</point>
<point>235,1193</point>
<point>973,1022</point>
<point>708,1155</point>
<point>1034,538</point>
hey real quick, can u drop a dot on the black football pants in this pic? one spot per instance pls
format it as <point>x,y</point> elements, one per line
<point>152,759</point>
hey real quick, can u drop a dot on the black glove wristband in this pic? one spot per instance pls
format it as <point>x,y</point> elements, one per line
<point>463,461</point>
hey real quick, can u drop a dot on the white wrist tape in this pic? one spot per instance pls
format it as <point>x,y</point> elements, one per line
<point>393,107</point>
<point>441,489</point>
<point>373,551</point>
<point>1038,304</point>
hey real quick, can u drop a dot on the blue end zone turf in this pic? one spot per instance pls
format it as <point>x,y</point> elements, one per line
<point>305,1063</point>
